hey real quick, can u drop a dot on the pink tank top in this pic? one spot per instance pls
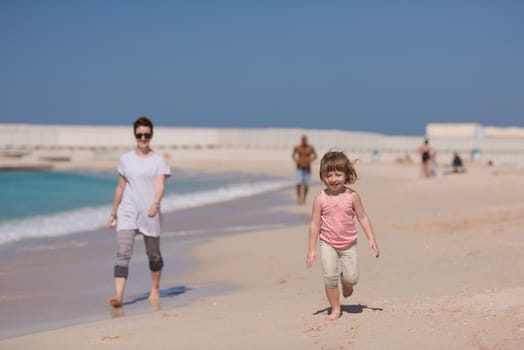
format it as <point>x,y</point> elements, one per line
<point>337,224</point>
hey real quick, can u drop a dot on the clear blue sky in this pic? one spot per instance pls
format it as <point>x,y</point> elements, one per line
<point>382,66</point>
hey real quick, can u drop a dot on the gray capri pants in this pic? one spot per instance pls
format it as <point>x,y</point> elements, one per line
<point>126,243</point>
<point>339,264</point>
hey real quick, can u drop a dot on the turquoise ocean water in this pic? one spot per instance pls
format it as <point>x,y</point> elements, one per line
<point>51,204</point>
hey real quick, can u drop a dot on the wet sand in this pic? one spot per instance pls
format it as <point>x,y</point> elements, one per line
<point>56,282</point>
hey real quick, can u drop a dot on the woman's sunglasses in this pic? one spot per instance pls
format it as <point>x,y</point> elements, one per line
<point>147,135</point>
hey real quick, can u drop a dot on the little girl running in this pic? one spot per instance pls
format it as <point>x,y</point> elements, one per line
<point>334,210</point>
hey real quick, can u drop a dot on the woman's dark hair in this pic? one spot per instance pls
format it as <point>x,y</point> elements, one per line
<point>143,121</point>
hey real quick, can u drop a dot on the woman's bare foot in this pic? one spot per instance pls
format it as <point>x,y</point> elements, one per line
<point>115,302</point>
<point>334,315</point>
<point>154,294</point>
<point>155,304</point>
<point>347,291</point>
<point>117,312</point>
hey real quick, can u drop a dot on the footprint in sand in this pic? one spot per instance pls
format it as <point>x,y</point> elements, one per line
<point>314,331</point>
<point>110,339</point>
<point>283,280</point>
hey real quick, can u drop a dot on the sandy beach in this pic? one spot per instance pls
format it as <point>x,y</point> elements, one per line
<point>450,275</point>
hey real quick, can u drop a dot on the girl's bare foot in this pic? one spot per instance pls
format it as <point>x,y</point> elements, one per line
<point>154,294</point>
<point>115,302</point>
<point>334,315</point>
<point>347,291</point>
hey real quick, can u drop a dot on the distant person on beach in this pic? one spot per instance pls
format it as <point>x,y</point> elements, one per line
<point>427,153</point>
<point>303,155</point>
<point>136,208</point>
<point>332,220</point>
<point>433,166</point>
<point>457,165</point>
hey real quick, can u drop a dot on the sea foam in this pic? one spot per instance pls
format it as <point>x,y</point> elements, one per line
<point>91,218</point>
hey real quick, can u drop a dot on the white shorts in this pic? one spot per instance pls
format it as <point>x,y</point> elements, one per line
<point>339,263</point>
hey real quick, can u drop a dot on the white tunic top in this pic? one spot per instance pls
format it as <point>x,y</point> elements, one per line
<point>139,193</point>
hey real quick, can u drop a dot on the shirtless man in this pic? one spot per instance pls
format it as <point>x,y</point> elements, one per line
<point>303,155</point>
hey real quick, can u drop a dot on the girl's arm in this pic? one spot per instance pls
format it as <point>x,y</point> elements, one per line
<point>119,191</point>
<point>159,193</point>
<point>364,222</point>
<point>314,228</point>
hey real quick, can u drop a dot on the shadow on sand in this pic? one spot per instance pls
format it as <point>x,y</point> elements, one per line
<point>164,293</point>
<point>350,309</point>
<point>155,304</point>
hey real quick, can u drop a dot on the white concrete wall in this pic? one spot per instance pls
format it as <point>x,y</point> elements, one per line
<point>496,132</point>
<point>103,142</point>
<point>453,130</point>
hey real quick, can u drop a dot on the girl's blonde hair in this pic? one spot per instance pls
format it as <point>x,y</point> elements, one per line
<point>337,161</point>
